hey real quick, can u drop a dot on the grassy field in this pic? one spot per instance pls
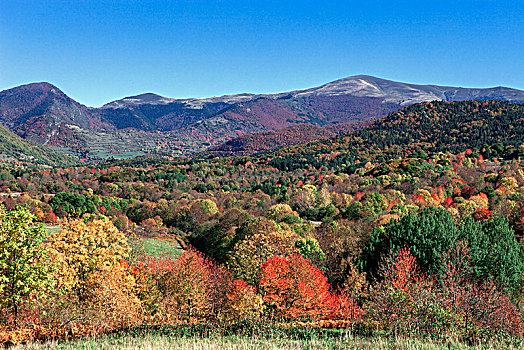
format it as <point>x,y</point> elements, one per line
<point>160,247</point>
<point>52,228</point>
<point>240,343</point>
<point>153,246</point>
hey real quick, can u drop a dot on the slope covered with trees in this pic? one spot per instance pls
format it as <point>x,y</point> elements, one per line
<point>14,148</point>
<point>494,128</point>
<point>257,142</point>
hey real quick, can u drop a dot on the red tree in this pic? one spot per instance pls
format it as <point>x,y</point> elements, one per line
<point>298,289</point>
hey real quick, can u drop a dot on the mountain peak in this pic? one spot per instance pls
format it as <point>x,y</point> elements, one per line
<point>146,98</point>
<point>37,87</point>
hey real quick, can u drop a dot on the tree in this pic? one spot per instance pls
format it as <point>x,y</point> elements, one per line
<point>83,248</point>
<point>494,250</point>
<point>24,269</point>
<point>242,303</point>
<point>249,254</point>
<point>185,288</point>
<point>427,233</point>
<point>295,288</point>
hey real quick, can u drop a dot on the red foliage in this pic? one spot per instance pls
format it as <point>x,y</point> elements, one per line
<point>403,270</point>
<point>482,214</point>
<point>298,289</point>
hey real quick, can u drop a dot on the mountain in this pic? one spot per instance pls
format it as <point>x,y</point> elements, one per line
<point>405,94</point>
<point>14,148</point>
<point>494,127</point>
<point>42,113</point>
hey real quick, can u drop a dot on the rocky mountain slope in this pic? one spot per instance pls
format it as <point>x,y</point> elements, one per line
<point>39,112</point>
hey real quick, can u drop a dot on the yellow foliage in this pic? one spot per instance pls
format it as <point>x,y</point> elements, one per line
<point>481,202</point>
<point>249,254</point>
<point>278,212</point>
<point>111,296</point>
<point>510,183</point>
<point>80,249</point>
<point>467,209</point>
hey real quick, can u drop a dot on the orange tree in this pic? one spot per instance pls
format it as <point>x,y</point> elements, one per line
<point>185,288</point>
<point>295,288</point>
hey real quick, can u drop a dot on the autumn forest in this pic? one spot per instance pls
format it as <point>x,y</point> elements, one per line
<point>410,226</point>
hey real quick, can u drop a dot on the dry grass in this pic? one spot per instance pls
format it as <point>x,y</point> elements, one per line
<point>245,343</point>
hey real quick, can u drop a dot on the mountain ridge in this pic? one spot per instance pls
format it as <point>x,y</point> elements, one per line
<point>40,112</point>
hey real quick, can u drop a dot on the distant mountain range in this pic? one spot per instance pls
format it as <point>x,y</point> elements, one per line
<point>147,123</point>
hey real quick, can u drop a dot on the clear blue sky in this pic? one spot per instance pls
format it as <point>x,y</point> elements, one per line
<point>98,51</point>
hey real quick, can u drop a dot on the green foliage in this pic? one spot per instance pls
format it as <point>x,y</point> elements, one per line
<point>23,260</point>
<point>14,146</point>
<point>218,240</point>
<point>310,249</point>
<point>494,250</point>
<point>427,233</point>
<point>74,204</point>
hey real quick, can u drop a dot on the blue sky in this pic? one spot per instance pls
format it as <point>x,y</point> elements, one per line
<point>99,51</point>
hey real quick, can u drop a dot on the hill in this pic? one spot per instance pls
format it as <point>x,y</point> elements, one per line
<point>40,112</point>
<point>494,127</point>
<point>14,148</point>
<point>262,141</point>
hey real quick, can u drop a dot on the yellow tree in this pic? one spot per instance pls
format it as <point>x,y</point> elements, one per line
<point>83,248</point>
<point>249,254</point>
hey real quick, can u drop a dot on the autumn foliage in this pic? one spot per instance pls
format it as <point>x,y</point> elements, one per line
<point>296,289</point>
<point>456,304</point>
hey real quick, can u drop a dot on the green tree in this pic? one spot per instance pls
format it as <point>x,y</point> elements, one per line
<point>494,250</point>
<point>24,270</point>
<point>427,234</point>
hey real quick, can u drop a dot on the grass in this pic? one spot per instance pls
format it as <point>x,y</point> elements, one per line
<point>152,246</point>
<point>160,247</point>
<point>156,341</point>
<point>52,228</point>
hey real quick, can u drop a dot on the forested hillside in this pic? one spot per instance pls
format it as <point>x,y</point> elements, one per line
<point>492,127</point>
<point>15,149</point>
<point>257,142</point>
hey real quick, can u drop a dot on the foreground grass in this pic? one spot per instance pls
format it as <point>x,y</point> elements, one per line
<point>155,341</point>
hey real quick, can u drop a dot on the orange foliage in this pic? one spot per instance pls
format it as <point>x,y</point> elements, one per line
<point>185,288</point>
<point>295,288</point>
<point>242,303</point>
